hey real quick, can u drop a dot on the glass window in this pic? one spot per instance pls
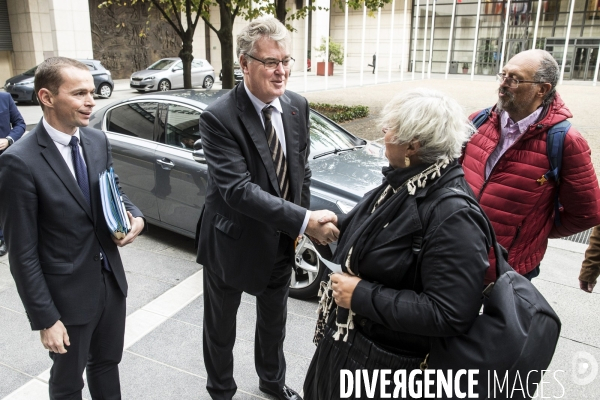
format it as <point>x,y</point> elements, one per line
<point>161,65</point>
<point>135,119</point>
<point>197,64</point>
<point>183,127</point>
<point>324,136</point>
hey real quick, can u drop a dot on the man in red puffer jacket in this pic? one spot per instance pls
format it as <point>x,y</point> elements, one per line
<point>505,160</point>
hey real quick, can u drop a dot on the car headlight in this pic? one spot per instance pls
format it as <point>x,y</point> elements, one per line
<point>345,207</point>
<point>24,83</point>
<point>149,78</point>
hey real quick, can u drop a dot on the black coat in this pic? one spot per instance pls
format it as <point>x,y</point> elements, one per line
<point>403,299</point>
<point>54,236</point>
<point>244,214</point>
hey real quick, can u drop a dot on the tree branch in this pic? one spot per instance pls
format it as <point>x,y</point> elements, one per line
<point>164,14</point>
<point>176,12</point>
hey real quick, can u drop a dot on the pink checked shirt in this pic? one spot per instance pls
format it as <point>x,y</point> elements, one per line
<point>510,132</point>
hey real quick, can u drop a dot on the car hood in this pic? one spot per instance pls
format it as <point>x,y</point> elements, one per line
<point>349,174</point>
<point>148,72</point>
<point>20,78</point>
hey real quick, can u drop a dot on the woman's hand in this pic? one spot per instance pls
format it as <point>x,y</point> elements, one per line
<point>343,286</point>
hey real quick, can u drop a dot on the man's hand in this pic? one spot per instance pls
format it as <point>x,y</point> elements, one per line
<point>343,286</point>
<point>321,232</point>
<point>55,338</point>
<point>586,286</point>
<point>3,144</point>
<point>137,224</point>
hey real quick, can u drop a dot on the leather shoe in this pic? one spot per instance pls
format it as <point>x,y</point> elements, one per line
<point>3,250</point>
<point>285,394</point>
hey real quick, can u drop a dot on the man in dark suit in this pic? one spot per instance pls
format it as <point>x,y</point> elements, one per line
<point>65,263</point>
<point>12,127</point>
<point>256,141</point>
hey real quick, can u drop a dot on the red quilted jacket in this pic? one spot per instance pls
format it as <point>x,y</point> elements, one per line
<point>520,208</point>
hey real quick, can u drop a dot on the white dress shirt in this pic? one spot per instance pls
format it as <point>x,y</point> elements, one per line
<point>62,141</point>
<point>278,125</point>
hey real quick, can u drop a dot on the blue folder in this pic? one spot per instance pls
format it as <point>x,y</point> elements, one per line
<point>112,205</point>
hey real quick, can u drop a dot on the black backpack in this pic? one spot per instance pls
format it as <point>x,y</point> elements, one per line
<point>554,147</point>
<point>513,339</point>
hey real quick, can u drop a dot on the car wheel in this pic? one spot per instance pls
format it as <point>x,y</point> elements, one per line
<point>308,270</point>
<point>104,90</point>
<point>34,99</point>
<point>164,85</point>
<point>208,82</point>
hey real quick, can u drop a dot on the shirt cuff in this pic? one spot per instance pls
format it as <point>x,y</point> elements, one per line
<point>305,223</point>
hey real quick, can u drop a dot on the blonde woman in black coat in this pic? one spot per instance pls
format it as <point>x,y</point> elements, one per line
<point>413,259</point>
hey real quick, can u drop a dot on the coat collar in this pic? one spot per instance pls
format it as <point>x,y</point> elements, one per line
<point>58,165</point>
<point>291,124</point>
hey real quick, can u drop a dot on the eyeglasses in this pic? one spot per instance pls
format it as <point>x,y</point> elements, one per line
<point>272,63</point>
<point>512,82</point>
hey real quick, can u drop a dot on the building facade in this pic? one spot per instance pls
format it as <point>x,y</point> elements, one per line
<point>414,36</point>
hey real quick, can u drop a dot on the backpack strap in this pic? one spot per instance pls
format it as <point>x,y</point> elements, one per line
<point>555,141</point>
<point>481,117</point>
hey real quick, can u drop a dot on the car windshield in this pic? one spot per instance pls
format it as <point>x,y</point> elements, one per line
<point>326,137</point>
<point>30,72</point>
<point>161,65</point>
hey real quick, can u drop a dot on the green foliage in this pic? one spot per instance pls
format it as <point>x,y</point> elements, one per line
<point>336,51</point>
<point>339,113</point>
<point>372,5</point>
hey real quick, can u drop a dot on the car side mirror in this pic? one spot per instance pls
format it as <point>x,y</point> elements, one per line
<point>198,153</point>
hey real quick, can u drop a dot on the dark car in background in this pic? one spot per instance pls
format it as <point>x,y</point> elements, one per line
<point>157,152</point>
<point>238,75</point>
<point>21,89</point>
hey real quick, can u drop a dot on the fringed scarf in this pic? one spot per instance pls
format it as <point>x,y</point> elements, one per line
<point>372,214</point>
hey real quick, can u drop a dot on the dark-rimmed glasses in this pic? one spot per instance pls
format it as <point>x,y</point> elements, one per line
<point>272,63</point>
<point>512,82</point>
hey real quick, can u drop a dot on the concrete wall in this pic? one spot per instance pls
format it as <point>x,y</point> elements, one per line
<point>46,28</point>
<point>6,66</point>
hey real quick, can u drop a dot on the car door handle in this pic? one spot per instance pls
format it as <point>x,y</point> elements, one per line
<point>165,163</point>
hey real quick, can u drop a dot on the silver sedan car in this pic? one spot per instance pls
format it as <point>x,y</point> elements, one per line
<point>167,74</point>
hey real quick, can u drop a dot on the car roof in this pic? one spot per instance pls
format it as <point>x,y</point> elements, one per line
<point>189,96</point>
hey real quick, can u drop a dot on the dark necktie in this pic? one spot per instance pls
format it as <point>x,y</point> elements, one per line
<point>277,154</point>
<point>83,182</point>
<point>80,170</point>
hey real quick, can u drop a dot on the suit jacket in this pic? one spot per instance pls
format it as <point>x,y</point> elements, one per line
<point>244,213</point>
<point>11,122</point>
<point>54,237</point>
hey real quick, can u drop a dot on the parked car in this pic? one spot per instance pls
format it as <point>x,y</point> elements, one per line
<point>167,74</point>
<point>20,86</point>
<point>238,75</point>
<point>157,152</point>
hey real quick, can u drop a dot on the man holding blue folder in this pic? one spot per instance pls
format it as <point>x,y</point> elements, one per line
<point>63,258</point>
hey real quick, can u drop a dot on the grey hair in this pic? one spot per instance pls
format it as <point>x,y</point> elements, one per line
<point>548,71</point>
<point>434,119</point>
<point>264,27</point>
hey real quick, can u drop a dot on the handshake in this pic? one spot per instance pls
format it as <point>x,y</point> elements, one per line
<point>322,227</point>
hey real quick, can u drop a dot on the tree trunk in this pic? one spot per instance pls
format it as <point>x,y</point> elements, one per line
<point>187,56</point>
<point>280,10</point>
<point>225,35</point>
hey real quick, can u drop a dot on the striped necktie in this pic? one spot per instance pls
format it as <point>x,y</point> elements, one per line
<point>279,161</point>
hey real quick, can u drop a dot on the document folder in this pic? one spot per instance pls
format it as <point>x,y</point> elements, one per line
<point>112,205</point>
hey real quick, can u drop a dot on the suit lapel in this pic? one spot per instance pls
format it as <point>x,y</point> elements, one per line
<point>93,154</point>
<point>291,127</point>
<point>255,129</point>
<point>60,168</point>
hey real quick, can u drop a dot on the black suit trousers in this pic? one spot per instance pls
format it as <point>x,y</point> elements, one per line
<point>96,346</point>
<point>221,303</point>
